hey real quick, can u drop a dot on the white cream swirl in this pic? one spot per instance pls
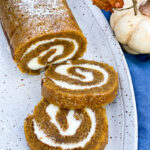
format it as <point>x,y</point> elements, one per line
<point>73,126</point>
<point>33,64</point>
<point>72,122</point>
<point>63,70</point>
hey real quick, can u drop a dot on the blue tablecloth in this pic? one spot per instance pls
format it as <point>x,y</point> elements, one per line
<point>139,66</point>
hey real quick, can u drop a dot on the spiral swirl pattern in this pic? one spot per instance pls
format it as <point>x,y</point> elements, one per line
<point>40,33</point>
<point>84,73</point>
<point>68,129</point>
<point>52,51</point>
<point>80,79</point>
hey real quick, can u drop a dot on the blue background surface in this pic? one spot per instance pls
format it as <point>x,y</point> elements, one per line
<point>139,66</point>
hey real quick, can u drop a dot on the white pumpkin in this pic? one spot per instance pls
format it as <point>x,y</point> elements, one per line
<point>133,32</point>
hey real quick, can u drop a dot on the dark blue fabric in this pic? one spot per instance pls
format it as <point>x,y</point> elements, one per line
<point>139,66</point>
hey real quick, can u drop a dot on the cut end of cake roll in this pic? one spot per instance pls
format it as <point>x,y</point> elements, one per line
<point>36,55</point>
<point>80,83</point>
<point>41,33</point>
<point>52,128</point>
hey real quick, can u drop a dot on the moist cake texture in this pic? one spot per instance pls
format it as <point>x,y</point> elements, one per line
<point>41,33</point>
<point>80,83</point>
<point>53,128</point>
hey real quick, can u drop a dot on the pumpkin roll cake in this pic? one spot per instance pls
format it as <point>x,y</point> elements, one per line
<point>41,32</point>
<point>80,83</point>
<point>54,128</point>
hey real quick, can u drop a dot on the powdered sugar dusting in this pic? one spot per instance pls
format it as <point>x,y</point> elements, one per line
<point>41,7</point>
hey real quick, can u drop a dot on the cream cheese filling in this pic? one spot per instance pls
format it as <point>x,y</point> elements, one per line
<point>52,111</point>
<point>62,70</point>
<point>72,122</point>
<point>33,63</point>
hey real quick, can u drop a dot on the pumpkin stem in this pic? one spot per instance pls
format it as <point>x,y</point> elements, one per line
<point>145,8</point>
<point>134,6</point>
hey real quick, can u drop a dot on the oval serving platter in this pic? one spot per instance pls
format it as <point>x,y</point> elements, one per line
<point>19,93</point>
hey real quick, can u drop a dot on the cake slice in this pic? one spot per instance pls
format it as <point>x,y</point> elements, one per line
<point>80,83</point>
<point>41,32</point>
<point>52,128</point>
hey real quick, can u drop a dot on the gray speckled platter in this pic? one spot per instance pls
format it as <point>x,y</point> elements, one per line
<point>19,93</point>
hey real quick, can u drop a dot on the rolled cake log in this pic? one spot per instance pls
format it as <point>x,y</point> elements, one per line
<point>41,33</point>
<point>80,83</point>
<point>52,128</point>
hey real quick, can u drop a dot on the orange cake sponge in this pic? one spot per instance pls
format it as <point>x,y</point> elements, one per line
<point>53,128</point>
<point>80,83</point>
<point>41,32</point>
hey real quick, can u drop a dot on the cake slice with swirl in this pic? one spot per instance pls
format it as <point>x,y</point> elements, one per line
<point>52,128</point>
<point>80,83</point>
<point>41,32</point>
